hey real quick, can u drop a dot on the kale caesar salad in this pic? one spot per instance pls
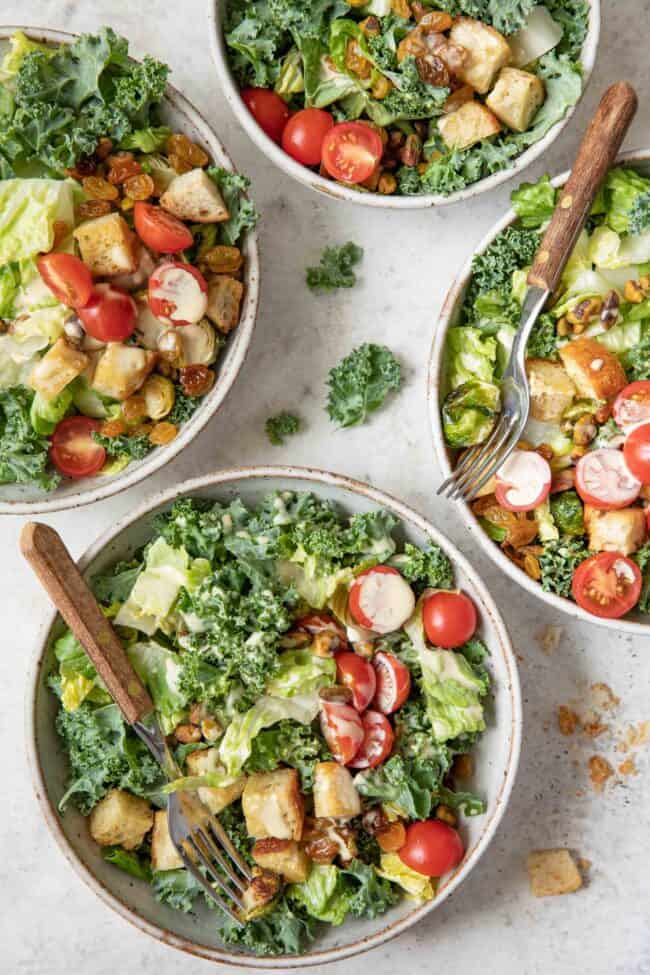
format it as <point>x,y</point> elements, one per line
<point>321,685</point>
<point>120,261</point>
<point>402,96</point>
<point>571,506</point>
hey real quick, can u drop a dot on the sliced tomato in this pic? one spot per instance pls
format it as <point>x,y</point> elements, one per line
<point>632,405</point>
<point>315,623</point>
<point>359,675</point>
<point>67,277</point>
<point>73,450</point>
<point>377,743</point>
<point>351,152</point>
<point>604,480</point>
<point>381,599</point>
<point>303,135</point>
<point>267,108</point>
<point>607,585</point>
<point>110,315</point>
<point>160,230</point>
<point>432,848</point>
<point>449,619</point>
<point>393,682</point>
<point>178,293</point>
<point>636,451</point>
<point>523,482</point>
<point>342,729</point>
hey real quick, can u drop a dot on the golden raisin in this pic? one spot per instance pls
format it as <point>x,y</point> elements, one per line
<point>187,733</point>
<point>196,380</point>
<point>391,838</point>
<point>179,164</point>
<point>223,259</point>
<point>104,148</point>
<point>179,145</point>
<point>85,166</point>
<point>112,428</point>
<point>445,814</point>
<point>122,167</point>
<point>463,766</point>
<point>163,433</point>
<point>99,189</point>
<point>90,209</point>
<point>139,187</point>
<point>134,409</point>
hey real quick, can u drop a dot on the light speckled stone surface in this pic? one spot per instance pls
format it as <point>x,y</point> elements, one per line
<point>49,922</point>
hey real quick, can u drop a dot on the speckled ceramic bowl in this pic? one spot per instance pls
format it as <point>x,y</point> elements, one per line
<point>496,755</point>
<point>181,116</point>
<point>337,191</point>
<point>437,390</point>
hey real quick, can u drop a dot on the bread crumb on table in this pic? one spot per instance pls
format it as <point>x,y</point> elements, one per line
<point>568,721</point>
<point>599,771</point>
<point>552,873</point>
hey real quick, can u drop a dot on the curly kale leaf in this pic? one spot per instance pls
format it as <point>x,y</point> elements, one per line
<point>135,448</point>
<point>286,929</point>
<point>23,453</point>
<point>407,784</point>
<point>360,383</point>
<point>412,98</point>
<point>640,214</point>
<point>281,426</point>
<point>542,343</point>
<point>335,268</point>
<point>242,213</point>
<point>426,567</point>
<point>369,895</point>
<point>195,525</point>
<point>573,17</point>
<point>115,585</point>
<point>177,889</point>
<point>637,361</point>
<point>288,743</point>
<point>128,861</point>
<point>558,563</point>
<point>455,170</point>
<point>184,407</point>
<point>642,559</point>
<point>511,250</point>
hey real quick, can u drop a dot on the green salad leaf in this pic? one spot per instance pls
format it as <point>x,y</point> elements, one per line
<point>23,452</point>
<point>360,383</point>
<point>558,562</point>
<point>281,426</point>
<point>336,268</point>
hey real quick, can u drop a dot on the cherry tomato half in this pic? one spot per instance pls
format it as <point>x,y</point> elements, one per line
<point>607,585</point>
<point>268,109</point>
<point>160,230</point>
<point>359,675</point>
<point>178,293</point>
<point>381,599</point>
<point>73,450</point>
<point>351,152</point>
<point>432,848</point>
<point>632,405</point>
<point>110,315</point>
<point>393,682</point>
<point>303,135</point>
<point>636,451</point>
<point>449,619</point>
<point>342,729</point>
<point>67,277</point>
<point>377,743</point>
<point>604,480</point>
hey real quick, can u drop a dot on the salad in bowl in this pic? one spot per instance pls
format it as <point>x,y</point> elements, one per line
<point>571,506</point>
<point>122,264</point>
<point>325,685</point>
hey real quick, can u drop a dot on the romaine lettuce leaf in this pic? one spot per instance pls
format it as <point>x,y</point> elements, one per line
<point>155,591</point>
<point>323,895</point>
<point>28,210</point>
<point>418,887</point>
<point>159,670</point>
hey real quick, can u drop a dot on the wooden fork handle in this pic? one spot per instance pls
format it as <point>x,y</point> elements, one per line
<point>43,548</point>
<point>597,152</point>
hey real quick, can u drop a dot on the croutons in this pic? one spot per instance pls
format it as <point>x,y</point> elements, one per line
<point>516,98</point>
<point>334,792</point>
<point>615,531</point>
<point>58,367</point>
<point>468,124</point>
<point>120,819</point>
<point>261,891</point>
<point>552,872</point>
<point>107,245</point>
<point>488,52</point>
<point>551,389</point>
<point>284,857</point>
<point>194,196</point>
<point>164,855</point>
<point>595,371</point>
<point>273,805</point>
<point>224,302</point>
<point>215,798</point>
<point>122,369</point>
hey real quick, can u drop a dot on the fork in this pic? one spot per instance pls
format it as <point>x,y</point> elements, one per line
<point>199,838</point>
<point>596,154</point>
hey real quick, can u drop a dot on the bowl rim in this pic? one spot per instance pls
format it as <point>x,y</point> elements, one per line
<point>511,686</point>
<point>159,458</point>
<point>434,383</point>
<point>338,192</point>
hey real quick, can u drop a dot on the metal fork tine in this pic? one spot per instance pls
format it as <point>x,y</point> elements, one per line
<point>207,886</point>
<point>211,868</point>
<point>476,479</point>
<point>223,839</point>
<point>494,466</point>
<point>214,851</point>
<point>464,463</point>
<point>483,451</point>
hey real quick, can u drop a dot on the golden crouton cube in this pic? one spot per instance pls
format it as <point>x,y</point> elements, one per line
<point>107,245</point>
<point>260,894</point>
<point>164,855</point>
<point>58,367</point>
<point>273,805</point>
<point>596,372</point>
<point>122,369</point>
<point>284,857</point>
<point>488,51</point>
<point>551,389</point>
<point>468,124</point>
<point>552,872</point>
<point>615,531</point>
<point>334,793</point>
<point>194,196</point>
<point>120,819</point>
<point>516,98</point>
<point>224,302</point>
<point>216,799</point>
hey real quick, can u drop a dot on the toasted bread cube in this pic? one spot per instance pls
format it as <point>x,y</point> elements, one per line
<point>615,531</point>
<point>224,302</point>
<point>215,798</point>
<point>164,855</point>
<point>516,98</point>
<point>334,793</point>
<point>260,893</point>
<point>595,371</point>
<point>284,857</point>
<point>58,367</point>
<point>488,52</point>
<point>552,872</point>
<point>273,805</point>
<point>194,196</point>
<point>122,369</point>
<point>107,245</point>
<point>468,124</point>
<point>551,390</point>
<point>120,819</point>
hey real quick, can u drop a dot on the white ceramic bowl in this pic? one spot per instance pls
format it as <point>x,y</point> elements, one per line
<point>436,391</point>
<point>181,116</point>
<point>338,192</point>
<point>496,754</point>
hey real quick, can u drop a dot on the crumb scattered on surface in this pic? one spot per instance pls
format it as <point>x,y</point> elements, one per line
<point>552,873</point>
<point>568,721</point>
<point>603,698</point>
<point>637,735</point>
<point>549,638</point>
<point>594,728</point>
<point>599,772</point>
<point>584,865</point>
<point>628,767</point>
